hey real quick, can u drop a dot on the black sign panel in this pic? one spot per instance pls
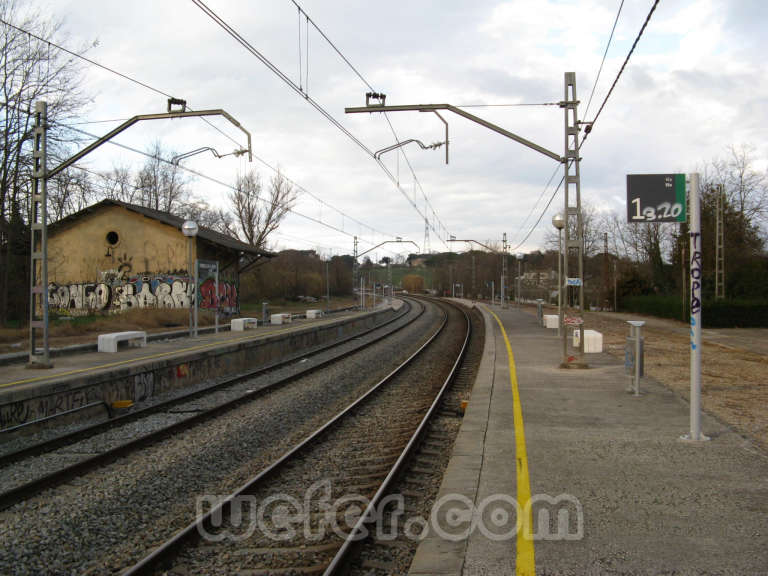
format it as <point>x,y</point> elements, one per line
<point>656,198</point>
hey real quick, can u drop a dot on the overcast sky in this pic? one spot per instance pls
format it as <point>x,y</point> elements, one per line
<point>697,83</point>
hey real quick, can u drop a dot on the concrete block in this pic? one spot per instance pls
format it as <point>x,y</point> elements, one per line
<point>593,341</point>
<point>242,324</point>
<point>109,342</point>
<point>280,319</point>
<point>314,314</point>
<point>551,321</point>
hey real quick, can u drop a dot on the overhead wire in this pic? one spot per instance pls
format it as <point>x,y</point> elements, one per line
<point>591,125</point>
<point>602,62</point>
<point>395,180</point>
<point>167,95</point>
<point>214,180</point>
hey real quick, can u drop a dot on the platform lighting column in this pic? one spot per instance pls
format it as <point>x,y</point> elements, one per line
<point>559,222</point>
<point>190,229</point>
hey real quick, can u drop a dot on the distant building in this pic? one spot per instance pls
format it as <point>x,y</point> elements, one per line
<point>115,256</point>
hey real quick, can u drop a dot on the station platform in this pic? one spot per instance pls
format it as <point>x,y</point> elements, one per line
<point>136,374</point>
<point>598,480</point>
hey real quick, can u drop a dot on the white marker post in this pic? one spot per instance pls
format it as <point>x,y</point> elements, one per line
<point>694,227</point>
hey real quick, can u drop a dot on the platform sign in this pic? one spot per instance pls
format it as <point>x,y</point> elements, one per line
<point>573,281</point>
<point>656,198</point>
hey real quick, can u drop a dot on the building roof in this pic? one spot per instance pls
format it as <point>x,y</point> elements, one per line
<point>171,220</point>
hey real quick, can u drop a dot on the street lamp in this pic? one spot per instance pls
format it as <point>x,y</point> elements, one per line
<point>190,229</point>
<point>559,222</point>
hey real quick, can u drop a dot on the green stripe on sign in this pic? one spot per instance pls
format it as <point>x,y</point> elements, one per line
<point>680,196</point>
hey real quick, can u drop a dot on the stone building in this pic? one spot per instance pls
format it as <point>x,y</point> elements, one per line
<point>115,256</point>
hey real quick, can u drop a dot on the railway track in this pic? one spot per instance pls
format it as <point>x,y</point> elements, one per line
<point>305,512</point>
<point>31,469</point>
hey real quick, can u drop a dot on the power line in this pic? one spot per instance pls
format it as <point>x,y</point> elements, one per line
<point>392,129</point>
<point>591,125</point>
<point>163,93</point>
<point>540,216</point>
<point>214,180</point>
<point>507,105</point>
<point>111,70</point>
<point>597,78</point>
<point>533,208</point>
<point>298,89</point>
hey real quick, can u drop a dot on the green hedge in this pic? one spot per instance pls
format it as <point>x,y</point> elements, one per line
<point>715,313</point>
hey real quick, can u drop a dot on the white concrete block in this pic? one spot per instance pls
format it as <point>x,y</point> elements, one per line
<point>551,321</point>
<point>593,341</point>
<point>109,342</point>
<point>280,319</point>
<point>314,314</point>
<point>242,324</point>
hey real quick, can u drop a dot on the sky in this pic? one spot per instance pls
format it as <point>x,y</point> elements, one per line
<point>696,84</point>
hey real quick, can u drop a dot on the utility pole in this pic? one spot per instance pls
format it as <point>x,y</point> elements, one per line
<point>38,302</point>
<point>720,245</point>
<point>572,211</point>
<point>38,271</point>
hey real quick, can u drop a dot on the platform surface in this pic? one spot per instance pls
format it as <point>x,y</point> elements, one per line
<point>17,380</point>
<point>648,502</point>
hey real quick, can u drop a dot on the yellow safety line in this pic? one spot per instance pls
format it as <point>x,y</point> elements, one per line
<point>525,564</point>
<point>150,357</point>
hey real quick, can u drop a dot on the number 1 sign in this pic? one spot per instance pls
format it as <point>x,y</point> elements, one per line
<point>656,198</point>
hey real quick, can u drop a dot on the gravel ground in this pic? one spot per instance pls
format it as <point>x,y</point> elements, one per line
<point>420,482</point>
<point>35,467</point>
<point>12,443</point>
<point>108,519</point>
<point>349,460</point>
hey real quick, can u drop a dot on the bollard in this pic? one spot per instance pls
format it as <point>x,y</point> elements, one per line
<point>265,313</point>
<point>540,311</point>
<point>634,350</point>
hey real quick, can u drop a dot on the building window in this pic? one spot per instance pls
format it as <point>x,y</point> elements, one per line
<point>112,238</point>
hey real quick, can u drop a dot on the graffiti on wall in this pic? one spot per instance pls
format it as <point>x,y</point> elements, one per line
<point>150,291</point>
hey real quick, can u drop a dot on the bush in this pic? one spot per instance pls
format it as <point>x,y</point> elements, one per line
<point>715,313</point>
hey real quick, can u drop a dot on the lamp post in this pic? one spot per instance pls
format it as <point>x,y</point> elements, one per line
<point>520,257</point>
<point>559,222</point>
<point>190,229</point>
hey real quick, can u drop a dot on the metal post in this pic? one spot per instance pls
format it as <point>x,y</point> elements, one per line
<point>493,293</point>
<point>38,270</point>
<point>327,287</point>
<point>638,341</point>
<point>354,268</point>
<point>362,294</point>
<point>560,327</point>
<point>217,300</point>
<point>197,291</point>
<point>190,288</point>
<point>694,222</point>
<point>572,180</point>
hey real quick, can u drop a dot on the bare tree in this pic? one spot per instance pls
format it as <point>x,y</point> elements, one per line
<point>161,185</point>
<point>32,70</point>
<point>259,214</point>
<point>68,192</point>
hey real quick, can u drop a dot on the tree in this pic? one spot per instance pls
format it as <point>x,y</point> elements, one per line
<point>160,184</point>
<point>32,70</point>
<point>258,216</point>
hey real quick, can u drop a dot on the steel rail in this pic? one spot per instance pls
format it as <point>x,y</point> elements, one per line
<point>164,553</point>
<point>338,564</point>
<point>33,487</point>
<point>98,428</point>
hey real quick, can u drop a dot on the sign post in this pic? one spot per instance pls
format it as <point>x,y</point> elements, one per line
<point>661,198</point>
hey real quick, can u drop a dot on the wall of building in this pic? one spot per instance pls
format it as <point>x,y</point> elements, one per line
<point>115,259</point>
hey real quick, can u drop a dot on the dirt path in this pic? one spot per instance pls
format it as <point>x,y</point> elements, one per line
<point>734,366</point>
